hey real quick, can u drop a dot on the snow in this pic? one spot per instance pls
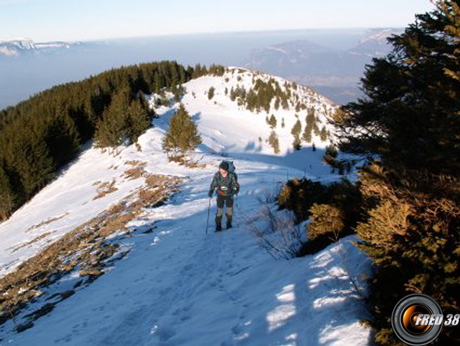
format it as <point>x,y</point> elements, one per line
<point>179,285</point>
<point>13,47</point>
<point>380,36</point>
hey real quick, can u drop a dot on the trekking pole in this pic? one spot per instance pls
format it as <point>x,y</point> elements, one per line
<point>236,207</point>
<point>209,211</point>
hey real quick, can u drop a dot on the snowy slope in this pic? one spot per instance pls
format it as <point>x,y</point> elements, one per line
<point>179,286</point>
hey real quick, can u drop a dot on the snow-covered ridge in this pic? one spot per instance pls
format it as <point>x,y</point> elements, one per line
<point>226,128</point>
<point>15,47</point>
<point>379,36</point>
<point>179,285</point>
<point>252,126</point>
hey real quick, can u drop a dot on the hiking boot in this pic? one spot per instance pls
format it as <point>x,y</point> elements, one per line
<point>229,221</point>
<point>218,223</point>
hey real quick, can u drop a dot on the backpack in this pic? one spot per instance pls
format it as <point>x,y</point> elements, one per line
<point>232,169</point>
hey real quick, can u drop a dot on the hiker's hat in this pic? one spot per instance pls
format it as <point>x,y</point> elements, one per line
<point>224,165</point>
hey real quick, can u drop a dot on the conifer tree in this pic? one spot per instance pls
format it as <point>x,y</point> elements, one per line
<point>182,136</point>
<point>410,120</point>
<point>7,195</point>
<point>158,83</point>
<point>296,129</point>
<point>323,134</point>
<point>138,120</point>
<point>297,144</point>
<point>274,142</point>
<point>211,92</point>
<point>310,123</point>
<point>112,130</point>
<point>33,162</point>
<point>272,121</point>
<point>62,137</point>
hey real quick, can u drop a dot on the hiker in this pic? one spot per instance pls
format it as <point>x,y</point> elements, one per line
<point>226,183</point>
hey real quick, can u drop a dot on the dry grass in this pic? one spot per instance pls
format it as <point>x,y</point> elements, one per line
<point>137,171</point>
<point>30,242</point>
<point>134,173</point>
<point>276,232</point>
<point>186,161</point>
<point>105,188</point>
<point>47,221</point>
<point>135,163</point>
<point>84,249</point>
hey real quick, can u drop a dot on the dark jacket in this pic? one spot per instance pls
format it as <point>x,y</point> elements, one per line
<point>227,186</point>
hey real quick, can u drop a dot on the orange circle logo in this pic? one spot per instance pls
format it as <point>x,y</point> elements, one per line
<point>410,317</point>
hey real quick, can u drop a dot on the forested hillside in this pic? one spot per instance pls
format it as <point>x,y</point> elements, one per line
<point>40,135</point>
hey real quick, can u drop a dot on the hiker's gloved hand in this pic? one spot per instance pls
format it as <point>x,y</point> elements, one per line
<point>210,193</point>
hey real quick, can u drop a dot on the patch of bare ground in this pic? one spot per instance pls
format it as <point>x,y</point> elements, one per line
<point>85,251</point>
<point>104,188</point>
<point>187,161</point>
<point>30,242</point>
<point>46,222</point>
<point>137,171</point>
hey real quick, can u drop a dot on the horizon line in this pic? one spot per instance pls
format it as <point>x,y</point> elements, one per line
<point>200,33</point>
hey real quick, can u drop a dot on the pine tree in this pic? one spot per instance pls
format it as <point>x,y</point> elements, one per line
<point>138,120</point>
<point>323,134</point>
<point>211,92</point>
<point>33,162</point>
<point>113,130</point>
<point>272,121</point>
<point>7,195</point>
<point>316,130</point>
<point>61,136</point>
<point>297,144</point>
<point>310,123</point>
<point>159,83</point>
<point>251,100</point>
<point>410,120</point>
<point>296,129</point>
<point>274,142</point>
<point>182,135</point>
<point>416,128</point>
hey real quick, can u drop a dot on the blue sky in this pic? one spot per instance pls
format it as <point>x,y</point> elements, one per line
<point>45,20</point>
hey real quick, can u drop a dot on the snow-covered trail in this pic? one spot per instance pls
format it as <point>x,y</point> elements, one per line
<point>179,286</point>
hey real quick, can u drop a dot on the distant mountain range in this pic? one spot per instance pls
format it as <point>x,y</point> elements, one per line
<point>330,61</point>
<point>375,43</point>
<point>334,72</point>
<point>17,47</point>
